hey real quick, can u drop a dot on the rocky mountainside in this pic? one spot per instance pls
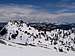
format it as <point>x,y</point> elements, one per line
<point>51,36</point>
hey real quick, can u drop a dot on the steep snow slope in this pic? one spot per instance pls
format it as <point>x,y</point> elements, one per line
<point>29,51</point>
<point>18,32</point>
<point>19,50</point>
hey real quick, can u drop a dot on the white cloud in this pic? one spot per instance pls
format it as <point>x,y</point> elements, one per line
<point>28,13</point>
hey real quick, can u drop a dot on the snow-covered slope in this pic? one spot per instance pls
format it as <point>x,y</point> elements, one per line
<point>18,32</point>
<point>29,51</point>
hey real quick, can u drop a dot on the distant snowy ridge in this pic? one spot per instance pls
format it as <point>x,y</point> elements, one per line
<point>20,33</point>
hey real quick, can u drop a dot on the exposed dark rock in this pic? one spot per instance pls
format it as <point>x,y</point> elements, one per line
<point>29,28</point>
<point>14,36</point>
<point>2,42</point>
<point>55,43</point>
<point>28,33</point>
<point>25,32</point>
<point>31,45</point>
<point>3,32</point>
<point>67,49</point>
<point>72,48</point>
<point>9,38</point>
<point>55,48</point>
<point>60,50</point>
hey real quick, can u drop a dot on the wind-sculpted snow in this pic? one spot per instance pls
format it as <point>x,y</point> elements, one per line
<point>18,32</point>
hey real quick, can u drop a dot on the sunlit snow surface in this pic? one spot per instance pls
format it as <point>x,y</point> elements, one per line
<point>29,51</point>
<point>21,39</point>
<point>19,50</point>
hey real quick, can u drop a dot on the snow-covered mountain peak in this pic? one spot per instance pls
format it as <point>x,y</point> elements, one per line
<point>20,33</point>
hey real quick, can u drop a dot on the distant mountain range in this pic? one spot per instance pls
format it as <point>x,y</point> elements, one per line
<point>46,26</point>
<point>2,24</point>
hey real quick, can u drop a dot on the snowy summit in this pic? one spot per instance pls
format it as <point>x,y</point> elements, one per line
<point>20,33</point>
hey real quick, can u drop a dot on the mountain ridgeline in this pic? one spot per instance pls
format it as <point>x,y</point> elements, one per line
<point>60,37</point>
<point>46,26</point>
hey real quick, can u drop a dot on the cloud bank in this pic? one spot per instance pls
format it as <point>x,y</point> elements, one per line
<point>29,13</point>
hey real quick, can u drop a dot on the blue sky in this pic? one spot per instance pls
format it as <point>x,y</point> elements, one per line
<point>50,8</point>
<point>49,5</point>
